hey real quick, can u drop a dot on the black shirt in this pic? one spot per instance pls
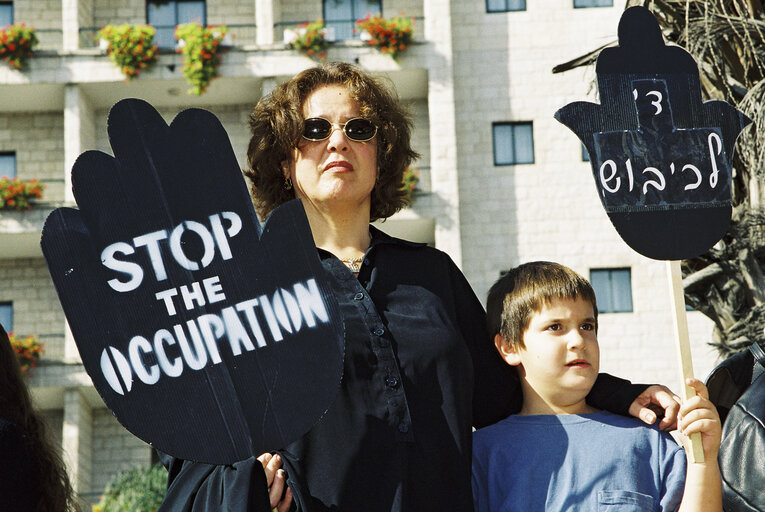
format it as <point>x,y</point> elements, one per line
<point>419,373</point>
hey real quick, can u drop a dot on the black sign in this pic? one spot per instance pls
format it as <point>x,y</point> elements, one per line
<point>660,157</point>
<point>207,335</point>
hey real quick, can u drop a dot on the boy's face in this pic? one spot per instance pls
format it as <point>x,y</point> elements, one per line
<point>561,357</point>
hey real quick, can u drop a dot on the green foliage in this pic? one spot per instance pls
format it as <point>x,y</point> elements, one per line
<point>201,49</point>
<point>17,43</point>
<point>130,47</point>
<point>410,181</point>
<point>135,490</point>
<point>310,38</point>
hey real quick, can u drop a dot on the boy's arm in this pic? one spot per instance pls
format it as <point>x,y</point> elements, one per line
<point>703,485</point>
<point>640,400</point>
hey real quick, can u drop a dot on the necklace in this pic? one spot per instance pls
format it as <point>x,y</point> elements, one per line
<point>353,264</point>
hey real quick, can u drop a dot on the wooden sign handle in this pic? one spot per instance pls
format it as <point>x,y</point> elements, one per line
<point>684,347</point>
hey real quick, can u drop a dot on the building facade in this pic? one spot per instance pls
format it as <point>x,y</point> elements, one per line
<point>501,182</point>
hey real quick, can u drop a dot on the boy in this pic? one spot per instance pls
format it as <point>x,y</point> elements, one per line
<point>559,453</point>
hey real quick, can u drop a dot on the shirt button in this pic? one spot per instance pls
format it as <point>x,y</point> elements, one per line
<point>379,331</point>
<point>358,296</point>
<point>391,382</point>
<point>403,428</point>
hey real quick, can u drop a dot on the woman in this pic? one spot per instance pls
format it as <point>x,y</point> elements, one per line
<point>397,437</point>
<point>32,475</point>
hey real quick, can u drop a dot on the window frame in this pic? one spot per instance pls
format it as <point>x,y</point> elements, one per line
<point>589,6</point>
<point>506,9</point>
<point>15,164</point>
<point>514,125</point>
<point>8,304</point>
<point>174,4</point>
<point>611,305</point>
<point>9,4</point>
<point>354,17</point>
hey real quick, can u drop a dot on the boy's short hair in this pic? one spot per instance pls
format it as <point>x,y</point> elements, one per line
<point>524,290</point>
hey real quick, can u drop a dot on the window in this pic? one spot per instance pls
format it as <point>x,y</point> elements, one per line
<point>585,154</point>
<point>505,5</point>
<point>342,15</point>
<point>613,289</point>
<point>6,14</point>
<point>578,4</point>
<point>6,316</point>
<point>8,164</point>
<point>165,15</point>
<point>513,143</point>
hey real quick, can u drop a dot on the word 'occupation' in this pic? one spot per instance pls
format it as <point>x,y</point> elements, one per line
<point>195,343</point>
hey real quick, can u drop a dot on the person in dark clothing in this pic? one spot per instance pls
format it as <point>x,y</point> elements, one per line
<point>419,370</point>
<point>32,474</point>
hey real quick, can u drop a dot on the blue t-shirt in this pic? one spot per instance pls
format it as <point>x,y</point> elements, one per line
<point>593,462</point>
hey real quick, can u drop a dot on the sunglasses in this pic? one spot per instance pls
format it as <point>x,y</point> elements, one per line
<point>356,129</point>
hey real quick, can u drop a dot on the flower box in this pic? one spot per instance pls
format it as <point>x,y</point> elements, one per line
<point>391,35</point>
<point>28,351</point>
<point>17,43</point>
<point>312,39</point>
<point>130,47</point>
<point>202,49</point>
<point>16,194</point>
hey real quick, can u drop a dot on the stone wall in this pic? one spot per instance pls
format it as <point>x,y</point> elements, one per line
<point>44,16</point>
<point>38,140</point>
<point>36,309</point>
<point>114,449</point>
<point>119,11</point>
<point>237,15</point>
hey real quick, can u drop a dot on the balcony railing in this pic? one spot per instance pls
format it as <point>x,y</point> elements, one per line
<point>239,34</point>
<point>49,38</point>
<point>343,30</point>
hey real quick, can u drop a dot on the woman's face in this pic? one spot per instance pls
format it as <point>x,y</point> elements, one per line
<point>334,172</point>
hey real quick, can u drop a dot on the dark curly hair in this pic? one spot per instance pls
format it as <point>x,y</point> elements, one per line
<point>53,491</point>
<point>276,124</point>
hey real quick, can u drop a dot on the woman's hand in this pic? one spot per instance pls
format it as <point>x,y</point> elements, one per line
<point>698,414</point>
<point>278,492</point>
<point>655,399</point>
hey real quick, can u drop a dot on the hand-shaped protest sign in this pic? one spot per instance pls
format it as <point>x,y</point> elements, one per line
<point>207,335</point>
<point>660,157</point>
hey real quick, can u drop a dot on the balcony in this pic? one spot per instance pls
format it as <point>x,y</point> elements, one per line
<point>242,74</point>
<point>20,232</point>
<point>248,71</point>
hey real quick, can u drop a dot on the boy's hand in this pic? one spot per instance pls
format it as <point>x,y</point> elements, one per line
<point>655,399</point>
<point>698,414</point>
<point>279,494</point>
